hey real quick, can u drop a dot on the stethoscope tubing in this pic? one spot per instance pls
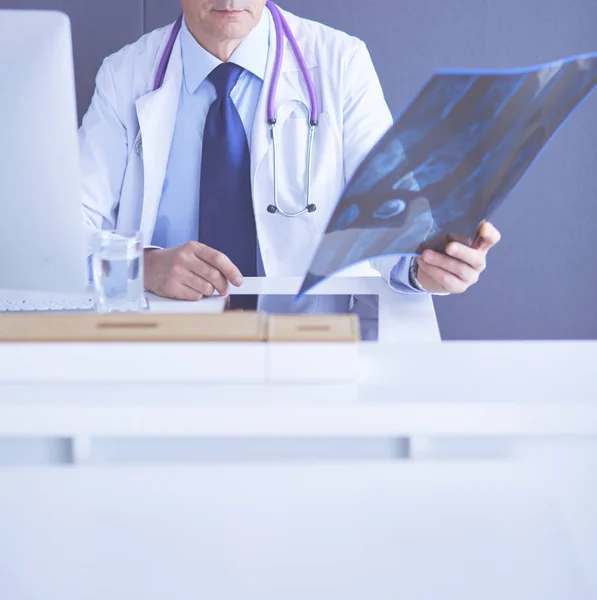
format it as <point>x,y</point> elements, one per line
<point>282,30</point>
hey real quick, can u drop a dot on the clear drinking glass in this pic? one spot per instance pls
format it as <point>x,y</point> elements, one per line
<point>118,271</point>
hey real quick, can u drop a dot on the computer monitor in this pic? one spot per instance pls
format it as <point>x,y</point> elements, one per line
<point>42,233</point>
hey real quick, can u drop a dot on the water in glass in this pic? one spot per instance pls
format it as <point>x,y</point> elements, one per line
<point>118,272</point>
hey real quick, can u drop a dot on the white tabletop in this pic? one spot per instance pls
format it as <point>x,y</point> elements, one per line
<point>452,389</point>
<point>396,389</point>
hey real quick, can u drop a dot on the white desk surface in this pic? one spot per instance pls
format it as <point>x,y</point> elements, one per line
<point>399,390</point>
<point>404,391</point>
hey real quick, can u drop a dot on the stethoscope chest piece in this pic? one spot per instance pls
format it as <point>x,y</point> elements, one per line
<point>272,210</point>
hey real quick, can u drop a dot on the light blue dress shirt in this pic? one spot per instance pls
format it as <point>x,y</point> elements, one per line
<point>178,214</point>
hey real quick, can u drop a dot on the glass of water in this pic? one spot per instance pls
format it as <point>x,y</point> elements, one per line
<point>118,271</point>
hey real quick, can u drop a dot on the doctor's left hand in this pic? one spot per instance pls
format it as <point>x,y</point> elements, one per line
<point>460,267</point>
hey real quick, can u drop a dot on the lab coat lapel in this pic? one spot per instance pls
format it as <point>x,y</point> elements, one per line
<point>156,113</point>
<point>291,88</point>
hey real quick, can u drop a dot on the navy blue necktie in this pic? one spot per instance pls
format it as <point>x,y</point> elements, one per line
<point>226,216</point>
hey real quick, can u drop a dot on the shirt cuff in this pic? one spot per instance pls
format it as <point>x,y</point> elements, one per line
<point>400,277</point>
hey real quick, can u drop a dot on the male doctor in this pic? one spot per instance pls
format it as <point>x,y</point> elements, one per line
<point>190,164</point>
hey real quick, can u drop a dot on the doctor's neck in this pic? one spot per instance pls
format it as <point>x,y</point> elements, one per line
<point>220,48</point>
<point>219,26</point>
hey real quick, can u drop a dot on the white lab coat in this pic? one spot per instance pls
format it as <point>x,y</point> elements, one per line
<point>127,133</point>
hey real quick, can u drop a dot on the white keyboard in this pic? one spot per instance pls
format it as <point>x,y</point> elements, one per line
<point>14,301</point>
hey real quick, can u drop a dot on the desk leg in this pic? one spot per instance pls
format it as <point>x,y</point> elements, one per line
<point>81,450</point>
<point>420,448</point>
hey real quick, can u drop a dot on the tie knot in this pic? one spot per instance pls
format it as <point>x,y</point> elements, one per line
<point>224,78</point>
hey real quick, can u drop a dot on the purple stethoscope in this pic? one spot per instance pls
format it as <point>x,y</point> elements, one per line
<point>282,30</point>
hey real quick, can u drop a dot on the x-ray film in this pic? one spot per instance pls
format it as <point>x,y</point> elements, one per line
<point>449,161</point>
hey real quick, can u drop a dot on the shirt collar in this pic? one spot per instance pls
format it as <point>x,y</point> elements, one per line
<point>251,55</point>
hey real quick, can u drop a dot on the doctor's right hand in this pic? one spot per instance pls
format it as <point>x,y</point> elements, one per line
<point>190,272</point>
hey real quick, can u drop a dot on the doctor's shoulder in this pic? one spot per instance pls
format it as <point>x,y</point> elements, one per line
<point>331,48</point>
<point>341,61</point>
<point>125,76</point>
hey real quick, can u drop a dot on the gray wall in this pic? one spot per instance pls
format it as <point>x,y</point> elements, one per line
<point>542,280</point>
